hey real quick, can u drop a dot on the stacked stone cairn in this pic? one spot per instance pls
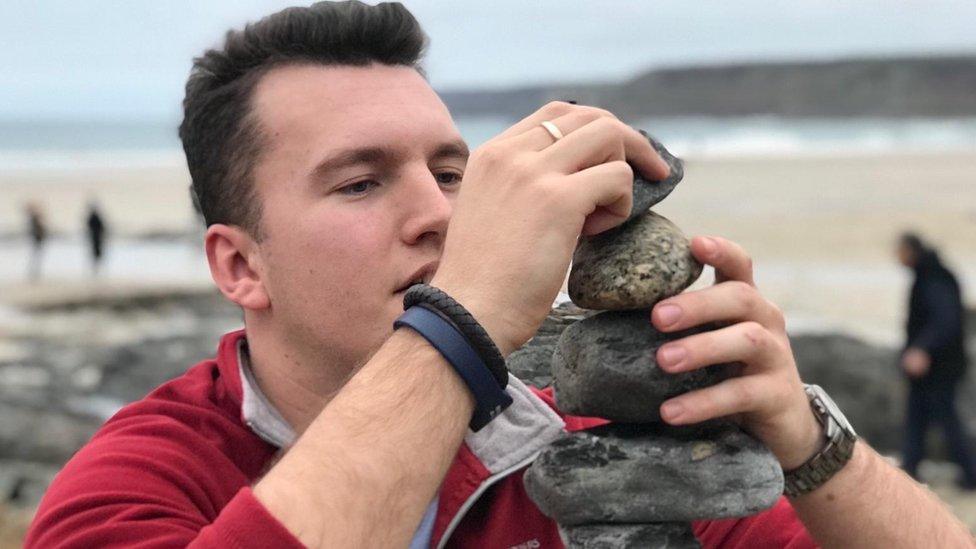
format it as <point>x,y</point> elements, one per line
<point>638,482</point>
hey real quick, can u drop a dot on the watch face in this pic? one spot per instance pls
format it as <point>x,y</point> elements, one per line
<point>833,410</point>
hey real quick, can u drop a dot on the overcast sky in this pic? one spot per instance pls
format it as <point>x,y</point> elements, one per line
<point>128,59</point>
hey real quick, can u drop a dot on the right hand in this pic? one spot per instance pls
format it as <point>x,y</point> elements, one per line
<point>916,362</point>
<point>524,201</point>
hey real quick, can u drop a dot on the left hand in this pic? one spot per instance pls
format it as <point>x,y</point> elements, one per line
<point>916,362</point>
<point>768,395</point>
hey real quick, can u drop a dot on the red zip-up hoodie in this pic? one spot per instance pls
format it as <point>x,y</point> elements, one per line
<point>174,470</point>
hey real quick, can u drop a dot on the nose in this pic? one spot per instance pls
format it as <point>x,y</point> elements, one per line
<point>427,209</point>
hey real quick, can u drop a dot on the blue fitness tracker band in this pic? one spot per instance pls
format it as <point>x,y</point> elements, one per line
<point>490,398</point>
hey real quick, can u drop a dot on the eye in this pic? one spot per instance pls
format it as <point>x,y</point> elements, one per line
<point>448,178</point>
<point>359,187</point>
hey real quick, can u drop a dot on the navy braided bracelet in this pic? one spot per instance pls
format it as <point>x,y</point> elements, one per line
<point>457,315</point>
<point>490,398</point>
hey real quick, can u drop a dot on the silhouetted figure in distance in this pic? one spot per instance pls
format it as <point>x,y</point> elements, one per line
<point>934,357</point>
<point>96,235</point>
<point>37,232</point>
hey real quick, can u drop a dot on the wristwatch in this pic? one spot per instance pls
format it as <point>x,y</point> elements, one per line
<point>836,452</point>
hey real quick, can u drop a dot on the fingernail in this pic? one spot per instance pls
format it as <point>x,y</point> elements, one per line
<point>671,355</point>
<point>709,245</point>
<point>671,411</point>
<point>668,314</point>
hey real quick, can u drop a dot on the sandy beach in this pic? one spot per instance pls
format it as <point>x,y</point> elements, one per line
<point>820,228</point>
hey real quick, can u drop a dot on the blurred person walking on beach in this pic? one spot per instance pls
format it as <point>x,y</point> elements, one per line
<point>934,357</point>
<point>96,235</point>
<point>37,232</point>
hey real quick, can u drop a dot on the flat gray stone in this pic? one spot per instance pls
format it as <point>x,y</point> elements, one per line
<point>658,535</point>
<point>640,474</point>
<point>532,363</point>
<point>632,266</point>
<point>606,366</point>
<point>648,193</point>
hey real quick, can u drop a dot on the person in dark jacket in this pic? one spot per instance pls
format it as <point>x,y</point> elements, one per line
<point>96,235</point>
<point>934,357</point>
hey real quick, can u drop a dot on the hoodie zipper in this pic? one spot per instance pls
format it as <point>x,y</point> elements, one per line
<point>468,503</point>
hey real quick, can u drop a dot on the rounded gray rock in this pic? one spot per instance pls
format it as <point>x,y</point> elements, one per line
<point>648,193</point>
<point>658,535</point>
<point>640,474</point>
<point>606,366</point>
<point>632,266</point>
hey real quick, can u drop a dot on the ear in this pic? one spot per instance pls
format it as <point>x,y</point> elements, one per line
<point>236,267</point>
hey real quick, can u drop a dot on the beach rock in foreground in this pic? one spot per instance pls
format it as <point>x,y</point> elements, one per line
<point>606,366</point>
<point>648,193</point>
<point>661,535</point>
<point>631,474</point>
<point>632,266</point>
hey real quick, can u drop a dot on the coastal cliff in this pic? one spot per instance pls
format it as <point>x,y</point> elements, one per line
<point>884,87</point>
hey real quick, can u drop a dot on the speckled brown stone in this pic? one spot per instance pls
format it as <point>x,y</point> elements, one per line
<point>633,266</point>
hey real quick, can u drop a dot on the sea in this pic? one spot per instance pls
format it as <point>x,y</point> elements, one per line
<point>31,145</point>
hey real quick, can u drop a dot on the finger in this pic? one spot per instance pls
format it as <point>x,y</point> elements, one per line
<point>538,138</point>
<point>550,111</point>
<point>733,396</point>
<point>749,343</point>
<point>604,139</point>
<point>575,151</point>
<point>733,301</point>
<point>598,141</point>
<point>607,189</point>
<point>730,260</point>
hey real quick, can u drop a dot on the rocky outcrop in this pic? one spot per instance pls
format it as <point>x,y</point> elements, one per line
<point>80,361</point>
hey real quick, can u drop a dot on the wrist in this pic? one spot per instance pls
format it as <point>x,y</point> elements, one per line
<point>808,440</point>
<point>485,311</point>
<point>451,329</point>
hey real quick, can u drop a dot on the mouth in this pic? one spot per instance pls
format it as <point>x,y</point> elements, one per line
<point>420,276</point>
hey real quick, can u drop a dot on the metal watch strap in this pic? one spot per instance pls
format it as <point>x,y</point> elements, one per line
<point>836,452</point>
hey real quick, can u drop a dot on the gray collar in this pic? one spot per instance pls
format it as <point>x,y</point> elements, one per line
<point>511,438</point>
<point>259,414</point>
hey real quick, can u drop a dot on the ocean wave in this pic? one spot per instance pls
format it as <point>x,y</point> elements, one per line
<point>72,160</point>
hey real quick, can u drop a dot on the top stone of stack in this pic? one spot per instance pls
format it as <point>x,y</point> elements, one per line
<point>649,193</point>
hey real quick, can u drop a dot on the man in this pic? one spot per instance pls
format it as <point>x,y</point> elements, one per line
<point>96,235</point>
<point>330,175</point>
<point>934,358</point>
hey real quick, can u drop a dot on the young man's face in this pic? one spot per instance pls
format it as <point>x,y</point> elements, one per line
<point>357,180</point>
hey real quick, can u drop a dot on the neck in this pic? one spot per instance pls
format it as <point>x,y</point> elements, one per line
<point>299,382</point>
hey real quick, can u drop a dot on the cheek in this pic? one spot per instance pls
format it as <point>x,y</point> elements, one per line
<point>333,253</point>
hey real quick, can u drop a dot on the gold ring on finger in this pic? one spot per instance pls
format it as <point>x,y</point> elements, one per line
<point>552,129</point>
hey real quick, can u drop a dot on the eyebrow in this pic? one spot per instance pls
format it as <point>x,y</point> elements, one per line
<point>380,155</point>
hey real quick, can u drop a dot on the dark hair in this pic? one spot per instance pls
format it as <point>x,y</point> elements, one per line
<point>913,242</point>
<point>220,135</point>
